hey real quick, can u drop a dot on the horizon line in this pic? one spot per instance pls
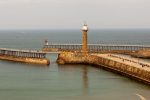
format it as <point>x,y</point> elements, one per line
<point>69,28</point>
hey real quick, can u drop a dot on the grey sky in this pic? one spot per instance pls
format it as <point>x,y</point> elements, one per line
<point>53,14</point>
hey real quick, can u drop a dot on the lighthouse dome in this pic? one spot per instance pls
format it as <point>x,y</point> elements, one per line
<point>85,28</point>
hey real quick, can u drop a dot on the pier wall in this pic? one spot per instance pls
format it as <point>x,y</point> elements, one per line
<point>108,64</point>
<point>42,61</point>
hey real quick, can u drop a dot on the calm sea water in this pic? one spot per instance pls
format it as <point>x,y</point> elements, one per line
<point>19,81</point>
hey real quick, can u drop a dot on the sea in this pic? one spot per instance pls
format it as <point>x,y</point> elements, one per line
<point>20,81</point>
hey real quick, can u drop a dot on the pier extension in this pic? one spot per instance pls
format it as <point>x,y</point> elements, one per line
<point>25,56</point>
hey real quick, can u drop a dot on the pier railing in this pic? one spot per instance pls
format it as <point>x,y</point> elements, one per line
<point>96,47</point>
<point>22,53</point>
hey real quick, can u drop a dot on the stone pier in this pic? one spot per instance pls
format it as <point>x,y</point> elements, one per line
<point>125,66</point>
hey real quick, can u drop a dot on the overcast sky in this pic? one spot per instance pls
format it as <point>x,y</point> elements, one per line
<point>69,14</point>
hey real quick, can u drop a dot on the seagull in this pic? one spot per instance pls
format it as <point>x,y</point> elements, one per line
<point>141,97</point>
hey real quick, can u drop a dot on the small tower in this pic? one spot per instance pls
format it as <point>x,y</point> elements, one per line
<point>84,45</point>
<point>46,42</point>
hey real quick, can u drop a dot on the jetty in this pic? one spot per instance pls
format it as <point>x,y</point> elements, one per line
<point>26,56</point>
<point>94,47</point>
<point>127,66</point>
<point>141,51</point>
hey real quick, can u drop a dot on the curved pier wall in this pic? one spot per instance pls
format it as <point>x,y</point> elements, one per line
<point>124,69</point>
<point>42,61</point>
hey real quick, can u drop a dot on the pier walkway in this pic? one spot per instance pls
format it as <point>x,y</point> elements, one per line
<point>25,56</point>
<point>22,53</point>
<point>96,47</point>
<point>126,60</point>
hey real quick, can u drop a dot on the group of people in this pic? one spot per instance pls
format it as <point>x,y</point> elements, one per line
<point>133,61</point>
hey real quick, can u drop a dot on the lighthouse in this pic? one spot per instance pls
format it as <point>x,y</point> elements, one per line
<point>84,44</point>
<point>46,42</point>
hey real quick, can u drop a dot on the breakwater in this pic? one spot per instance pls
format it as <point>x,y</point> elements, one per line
<point>121,67</point>
<point>141,53</point>
<point>25,56</point>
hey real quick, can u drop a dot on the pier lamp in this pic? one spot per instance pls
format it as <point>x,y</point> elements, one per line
<point>84,44</point>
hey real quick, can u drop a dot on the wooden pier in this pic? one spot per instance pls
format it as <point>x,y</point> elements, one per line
<point>28,56</point>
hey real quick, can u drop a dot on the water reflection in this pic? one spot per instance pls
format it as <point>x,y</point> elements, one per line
<point>85,79</point>
<point>76,72</point>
